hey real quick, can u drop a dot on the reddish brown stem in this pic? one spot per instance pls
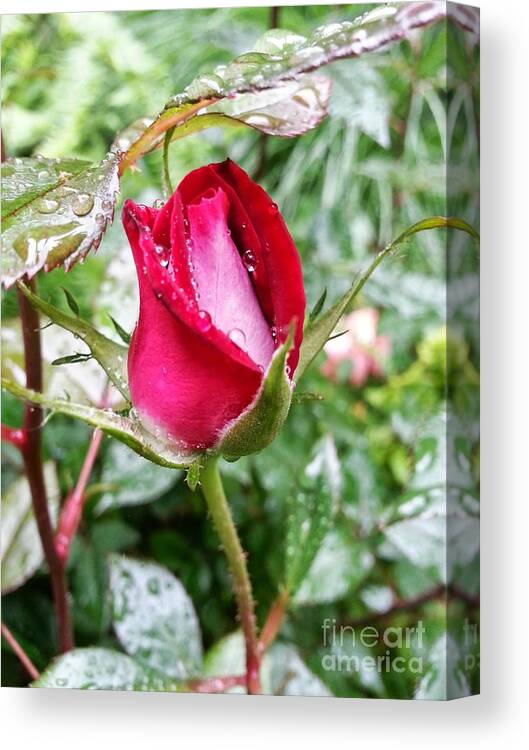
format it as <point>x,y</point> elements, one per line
<point>19,652</point>
<point>72,508</point>
<point>32,456</point>
<point>217,684</point>
<point>273,622</point>
<point>15,436</point>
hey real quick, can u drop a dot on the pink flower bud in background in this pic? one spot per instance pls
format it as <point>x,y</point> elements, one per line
<point>361,346</point>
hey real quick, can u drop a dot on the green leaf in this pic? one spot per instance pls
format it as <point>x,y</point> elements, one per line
<point>436,524</point>
<point>127,430</point>
<point>53,212</point>
<point>319,331</point>
<point>339,566</point>
<point>122,333</point>
<point>154,617</point>
<point>266,88</point>
<point>101,669</point>
<point>283,672</point>
<point>131,479</point>
<point>444,678</point>
<point>318,307</point>
<point>72,303</point>
<point>111,356</point>
<point>259,424</point>
<point>22,553</point>
<point>309,513</point>
<point>71,359</point>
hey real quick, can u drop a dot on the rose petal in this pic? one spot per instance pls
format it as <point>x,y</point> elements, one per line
<point>223,283</point>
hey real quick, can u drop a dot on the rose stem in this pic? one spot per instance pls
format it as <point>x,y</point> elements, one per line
<point>213,490</point>
<point>32,457</point>
<point>273,622</point>
<point>73,506</point>
<point>19,652</point>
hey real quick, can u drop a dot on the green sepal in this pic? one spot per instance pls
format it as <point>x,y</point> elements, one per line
<point>111,356</point>
<point>125,429</point>
<point>257,427</point>
<point>193,474</point>
<point>318,330</point>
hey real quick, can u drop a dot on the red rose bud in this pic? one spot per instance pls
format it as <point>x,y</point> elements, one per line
<point>220,288</point>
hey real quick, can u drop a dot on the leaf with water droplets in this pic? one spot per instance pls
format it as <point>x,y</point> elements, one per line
<point>21,548</point>
<point>154,618</point>
<point>283,672</point>
<point>102,669</point>
<point>309,512</point>
<point>268,88</point>
<point>53,212</point>
<point>443,677</point>
<point>131,479</point>
<point>338,567</point>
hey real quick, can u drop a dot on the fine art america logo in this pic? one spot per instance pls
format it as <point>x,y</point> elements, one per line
<point>347,648</point>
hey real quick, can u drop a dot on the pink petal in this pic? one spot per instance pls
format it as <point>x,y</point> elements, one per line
<point>223,285</point>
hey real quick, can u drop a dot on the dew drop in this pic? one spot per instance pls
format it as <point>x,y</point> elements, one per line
<point>82,204</point>
<point>238,337</point>
<point>248,258</point>
<point>43,176</point>
<point>158,203</point>
<point>106,205</point>
<point>100,220</point>
<point>47,206</point>
<point>204,321</point>
<point>273,209</point>
<point>164,262</point>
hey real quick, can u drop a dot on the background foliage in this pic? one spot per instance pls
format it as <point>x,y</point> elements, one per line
<point>371,456</point>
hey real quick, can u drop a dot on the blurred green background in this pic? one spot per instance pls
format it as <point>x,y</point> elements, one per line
<point>377,164</point>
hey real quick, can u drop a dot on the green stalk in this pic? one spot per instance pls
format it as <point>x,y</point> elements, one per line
<point>219,509</point>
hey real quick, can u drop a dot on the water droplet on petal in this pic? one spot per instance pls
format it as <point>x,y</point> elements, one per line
<point>248,258</point>
<point>204,321</point>
<point>273,209</point>
<point>158,203</point>
<point>238,337</point>
<point>82,204</point>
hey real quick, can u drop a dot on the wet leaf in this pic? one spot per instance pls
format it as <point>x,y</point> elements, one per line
<point>444,678</point>
<point>22,553</point>
<point>436,525</point>
<point>154,617</point>
<point>53,212</point>
<point>339,565</point>
<point>310,511</point>
<point>101,669</point>
<point>267,85</point>
<point>283,671</point>
<point>132,480</point>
